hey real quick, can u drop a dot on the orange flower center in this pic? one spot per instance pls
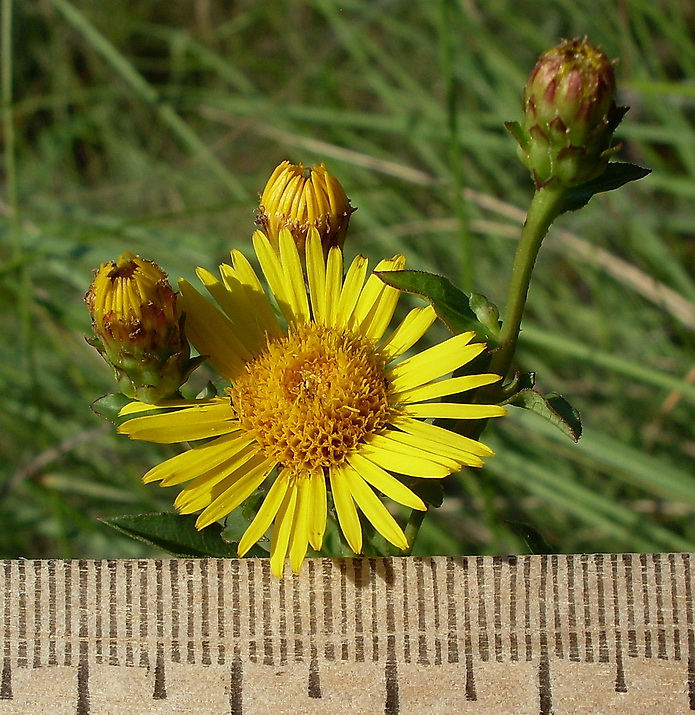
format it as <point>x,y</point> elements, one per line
<point>312,396</point>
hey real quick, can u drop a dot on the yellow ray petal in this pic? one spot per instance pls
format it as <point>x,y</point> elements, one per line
<point>350,293</point>
<point>334,284</point>
<point>266,514</point>
<point>213,334</point>
<point>237,452</point>
<point>292,270</point>
<point>410,464</point>
<point>437,449</point>
<point>440,435</point>
<point>386,483</point>
<point>433,362</point>
<point>345,508</point>
<point>410,330</point>
<point>247,317</point>
<point>190,424</point>
<point>452,411</point>
<point>235,305</point>
<point>239,490</point>
<point>201,491</point>
<point>284,522</point>
<point>272,270</point>
<point>374,510</point>
<point>207,486</point>
<point>316,275</point>
<point>409,450</point>
<point>136,406</point>
<point>443,388</point>
<point>199,460</point>
<point>318,514</point>
<point>260,305</point>
<point>299,537</point>
<point>377,302</point>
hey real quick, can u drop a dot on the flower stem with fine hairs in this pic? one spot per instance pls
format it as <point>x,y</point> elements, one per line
<point>412,528</point>
<point>545,207</point>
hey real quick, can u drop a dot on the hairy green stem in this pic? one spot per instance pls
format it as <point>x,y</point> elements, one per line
<point>545,207</point>
<point>412,528</point>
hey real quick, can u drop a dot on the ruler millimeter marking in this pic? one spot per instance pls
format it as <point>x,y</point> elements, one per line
<point>389,635</point>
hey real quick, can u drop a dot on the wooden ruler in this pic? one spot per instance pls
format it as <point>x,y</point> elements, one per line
<point>604,633</point>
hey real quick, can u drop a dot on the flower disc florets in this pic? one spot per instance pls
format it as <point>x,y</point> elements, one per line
<point>312,396</point>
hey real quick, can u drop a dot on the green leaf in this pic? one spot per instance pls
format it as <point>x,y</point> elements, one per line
<point>532,538</point>
<point>110,405</point>
<point>431,491</point>
<point>234,527</point>
<point>514,128</point>
<point>251,506</point>
<point>176,534</point>
<point>373,543</point>
<point>617,174</point>
<point>520,381</point>
<point>451,304</point>
<point>208,392</point>
<point>526,380</point>
<point>487,313</point>
<point>552,407</point>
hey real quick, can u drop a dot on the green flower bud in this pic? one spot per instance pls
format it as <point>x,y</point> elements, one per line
<point>300,198</point>
<point>139,329</point>
<point>570,115</point>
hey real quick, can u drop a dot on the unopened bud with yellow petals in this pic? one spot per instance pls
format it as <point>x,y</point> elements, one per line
<point>300,198</point>
<point>139,328</point>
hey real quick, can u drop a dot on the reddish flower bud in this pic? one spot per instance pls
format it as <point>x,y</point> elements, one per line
<point>570,115</point>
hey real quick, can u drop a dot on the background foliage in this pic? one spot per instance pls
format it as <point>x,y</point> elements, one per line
<point>152,127</point>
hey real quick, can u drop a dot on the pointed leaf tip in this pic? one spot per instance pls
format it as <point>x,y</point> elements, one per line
<point>552,407</point>
<point>617,174</point>
<point>174,533</point>
<point>450,303</point>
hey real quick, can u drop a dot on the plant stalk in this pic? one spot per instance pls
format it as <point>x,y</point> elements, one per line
<point>412,528</point>
<point>545,207</point>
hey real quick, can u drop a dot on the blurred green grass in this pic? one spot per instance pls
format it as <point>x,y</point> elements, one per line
<point>152,128</point>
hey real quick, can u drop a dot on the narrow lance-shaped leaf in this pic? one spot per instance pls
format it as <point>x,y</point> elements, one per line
<point>451,304</point>
<point>552,407</point>
<point>108,406</point>
<point>175,534</point>
<point>617,174</point>
<point>533,538</point>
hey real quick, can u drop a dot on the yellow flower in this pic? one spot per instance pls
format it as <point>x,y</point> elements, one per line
<point>139,328</point>
<point>323,403</point>
<point>299,198</point>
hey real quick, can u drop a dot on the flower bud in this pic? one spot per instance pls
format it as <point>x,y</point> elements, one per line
<point>299,198</point>
<point>570,115</point>
<point>139,328</point>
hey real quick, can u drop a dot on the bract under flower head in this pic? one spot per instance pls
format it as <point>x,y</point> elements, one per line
<point>300,198</point>
<point>320,402</point>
